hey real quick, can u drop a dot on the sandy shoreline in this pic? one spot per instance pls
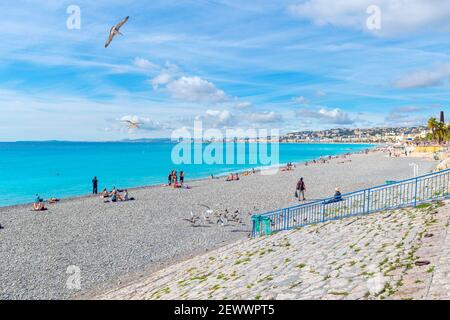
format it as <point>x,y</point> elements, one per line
<point>114,243</point>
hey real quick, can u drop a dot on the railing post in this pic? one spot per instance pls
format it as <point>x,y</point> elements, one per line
<point>323,212</point>
<point>288,217</point>
<point>368,200</point>
<point>364,201</point>
<point>415,193</point>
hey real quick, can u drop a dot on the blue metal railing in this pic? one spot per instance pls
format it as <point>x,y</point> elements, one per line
<point>405,193</point>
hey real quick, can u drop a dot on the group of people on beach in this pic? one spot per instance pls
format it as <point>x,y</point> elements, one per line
<point>39,205</point>
<point>289,167</point>
<point>233,177</point>
<point>116,195</point>
<point>172,179</point>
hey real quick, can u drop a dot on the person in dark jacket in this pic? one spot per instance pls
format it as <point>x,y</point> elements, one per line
<point>338,195</point>
<point>95,185</point>
<point>181,177</point>
<point>301,190</point>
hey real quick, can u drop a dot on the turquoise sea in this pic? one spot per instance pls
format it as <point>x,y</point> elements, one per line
<point>64,169</point>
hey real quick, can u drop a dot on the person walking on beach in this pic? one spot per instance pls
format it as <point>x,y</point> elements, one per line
<point>95,186</point>
<point>301,189</point>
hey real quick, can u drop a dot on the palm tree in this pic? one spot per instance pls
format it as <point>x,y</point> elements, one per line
<point>447,133</point>
<point>441,132</point>
<point>432,125</point>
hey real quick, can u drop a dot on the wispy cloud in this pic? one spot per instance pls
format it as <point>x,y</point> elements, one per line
<point>195,89</point>
<point>424,78</point>
<point>396,17</point>
<point>332,116</point>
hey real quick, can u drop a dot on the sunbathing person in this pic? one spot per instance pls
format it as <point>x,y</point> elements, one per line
<point>177,185</point>
<point>114,195</point>
<point>105,193</point>
<point>38,204</point>
<point>126,196</point>
<point>53,200</point>
<point>230,177</point>
<point>236,177</point>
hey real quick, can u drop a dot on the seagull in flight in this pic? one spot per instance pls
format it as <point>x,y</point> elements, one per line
<point>115,30</point>
<point>132,124</point>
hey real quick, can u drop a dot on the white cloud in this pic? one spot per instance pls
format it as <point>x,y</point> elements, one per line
<point>161,79</point>
<point>144,64</point>
<point>300,100</point>
<point>195,89</point>
<point>217,118</point>
<point>424,78</point>
<point>243,105</point>
<point>406,116</point>
<point>321,93</point>
<point>396,16</point>
<point>333,116</point>
<point>265,117</point>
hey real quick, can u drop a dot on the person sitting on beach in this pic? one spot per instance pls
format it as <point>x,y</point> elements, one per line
<point>338,195</point>
<point>236,177</point>
<point>126,196</point>
<point>105,193</point>
<point>177,185</point>
<point>336,198</point>
<point>114,195</point>
<point>230,177</point>
<point>38,204</point>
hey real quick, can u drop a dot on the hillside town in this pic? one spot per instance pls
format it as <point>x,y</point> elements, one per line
<point>370,135</point>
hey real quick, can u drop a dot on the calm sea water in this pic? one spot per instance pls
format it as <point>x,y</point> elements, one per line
<point>64,169</point>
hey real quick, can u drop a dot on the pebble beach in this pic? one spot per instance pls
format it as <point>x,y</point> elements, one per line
<point>113,244</point>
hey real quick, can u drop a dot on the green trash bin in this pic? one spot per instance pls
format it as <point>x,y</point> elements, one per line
<point>256,225</point>
<point>266,226</point>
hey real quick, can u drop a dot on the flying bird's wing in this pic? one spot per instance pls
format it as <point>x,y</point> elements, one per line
<point>132,124</point>
<point>110,38</point>
<point>121,23</point>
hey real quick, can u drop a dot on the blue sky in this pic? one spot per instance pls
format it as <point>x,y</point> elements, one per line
<point>290,65</point>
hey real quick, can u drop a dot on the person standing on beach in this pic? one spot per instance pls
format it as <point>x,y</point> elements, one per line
<point>95,186</point>
<point>181,177</point>
<point>170,178</point>
<point>301,189</point>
